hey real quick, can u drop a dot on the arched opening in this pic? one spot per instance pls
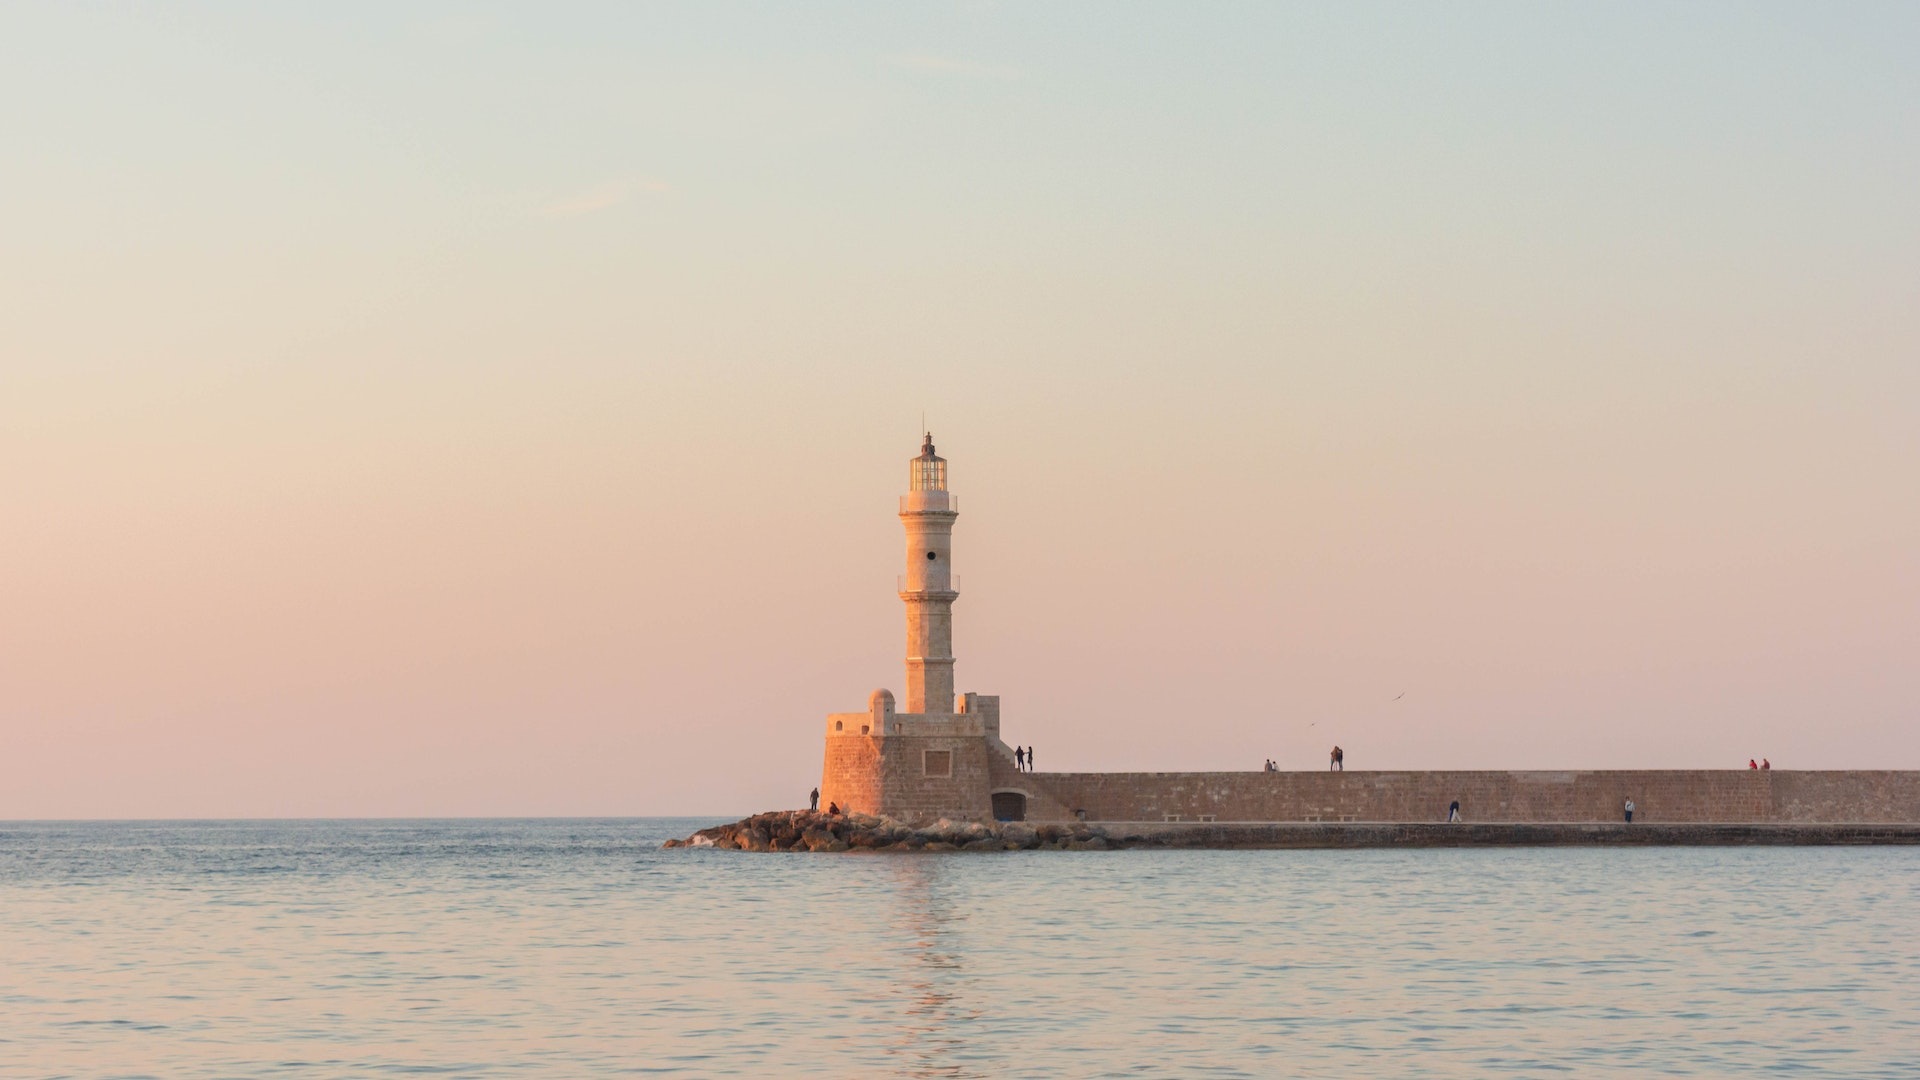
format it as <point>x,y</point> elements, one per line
<point>1009,806</point>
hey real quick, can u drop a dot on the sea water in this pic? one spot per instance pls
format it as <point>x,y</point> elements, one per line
<point>579,948</point>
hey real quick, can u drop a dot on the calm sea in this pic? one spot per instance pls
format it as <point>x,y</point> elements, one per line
<point>578,948</point>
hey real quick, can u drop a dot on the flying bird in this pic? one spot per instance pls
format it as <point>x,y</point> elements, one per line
<point>1402,694</point>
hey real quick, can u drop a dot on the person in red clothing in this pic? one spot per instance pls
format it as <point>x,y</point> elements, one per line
<point>1752,764</point>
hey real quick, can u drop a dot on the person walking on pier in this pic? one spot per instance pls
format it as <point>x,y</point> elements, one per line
<point>814,803</point>
<point>1629,810</point>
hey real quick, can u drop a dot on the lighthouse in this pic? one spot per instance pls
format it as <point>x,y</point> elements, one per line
<point>939,754</point>
<point>927,588</point>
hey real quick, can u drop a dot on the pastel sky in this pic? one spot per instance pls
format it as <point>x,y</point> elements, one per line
<point>468,409</point>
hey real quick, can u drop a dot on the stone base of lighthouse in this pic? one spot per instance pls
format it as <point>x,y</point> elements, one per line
<point>926,766</point>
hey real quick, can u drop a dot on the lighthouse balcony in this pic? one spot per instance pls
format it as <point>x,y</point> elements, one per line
<point>930,502</point>
<point>927,588</point>
<point>913,725</point>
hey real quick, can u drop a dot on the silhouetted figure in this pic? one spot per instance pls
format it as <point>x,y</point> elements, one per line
<point>1338,761</point>
<point>1453,811</point>
<point>1752,764</point>
<point>1765,764</point>
<point>1020,759</point>
<point>1029,759</point>
<point>1629,810</point>
<point>814,805</point>
<point>833,808</point>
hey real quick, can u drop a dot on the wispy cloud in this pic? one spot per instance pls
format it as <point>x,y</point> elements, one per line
<point>945,65</point>
<point>600,197</point>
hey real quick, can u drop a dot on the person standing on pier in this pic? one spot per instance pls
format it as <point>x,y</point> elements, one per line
<point>1453,811</point>
<point>1337,761</point>
<point>1629,810</point>
<point>814,802</point>
<point>1019,759</point>
<point>1029,759</point>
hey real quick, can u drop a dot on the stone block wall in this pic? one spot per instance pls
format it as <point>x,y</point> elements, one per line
<point>890,774</point>
<point>1666,795</point>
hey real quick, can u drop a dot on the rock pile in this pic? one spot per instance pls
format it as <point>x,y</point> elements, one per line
<point>805,830</point>
<point>800,830</point>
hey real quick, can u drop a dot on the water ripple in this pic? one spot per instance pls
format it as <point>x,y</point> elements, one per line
<point>576,948</point>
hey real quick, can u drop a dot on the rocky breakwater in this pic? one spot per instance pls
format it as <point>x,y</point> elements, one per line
<point>804,830</point>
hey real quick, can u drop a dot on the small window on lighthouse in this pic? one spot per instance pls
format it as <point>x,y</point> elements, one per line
<point>930,556</point>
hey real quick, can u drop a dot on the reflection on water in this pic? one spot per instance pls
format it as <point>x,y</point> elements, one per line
<point>931,1040</point>
<point>560,948</point>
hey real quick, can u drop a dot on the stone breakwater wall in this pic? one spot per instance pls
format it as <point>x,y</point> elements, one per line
<point>803,831</point>
<point>1659,795</point>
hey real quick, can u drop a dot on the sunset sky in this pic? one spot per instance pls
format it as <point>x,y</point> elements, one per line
<point>469,409</point>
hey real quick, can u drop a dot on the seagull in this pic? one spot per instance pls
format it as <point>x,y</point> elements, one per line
<point>1403,693</point>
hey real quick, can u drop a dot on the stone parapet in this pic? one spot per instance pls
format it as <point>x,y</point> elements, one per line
<point>948,725</point>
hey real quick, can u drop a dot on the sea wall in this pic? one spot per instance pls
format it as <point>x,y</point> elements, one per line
<point>1659,795</point>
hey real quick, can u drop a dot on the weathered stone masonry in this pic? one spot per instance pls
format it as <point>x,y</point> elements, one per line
<point>1659,795</point>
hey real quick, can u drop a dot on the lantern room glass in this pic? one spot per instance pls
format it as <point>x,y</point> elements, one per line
<point>927,474</point>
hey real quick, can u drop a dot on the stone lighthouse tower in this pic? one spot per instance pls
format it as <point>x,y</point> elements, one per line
<point>938,756</point>
<point>928,587</point>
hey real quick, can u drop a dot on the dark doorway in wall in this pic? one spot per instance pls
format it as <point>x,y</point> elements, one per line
<point>1009,806</point>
